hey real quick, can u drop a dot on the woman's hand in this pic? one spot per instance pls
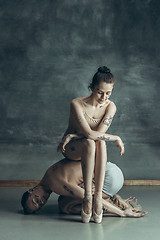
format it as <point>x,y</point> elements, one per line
<point>63,143</point>
<point>120,144</point>
<point>131,213</point>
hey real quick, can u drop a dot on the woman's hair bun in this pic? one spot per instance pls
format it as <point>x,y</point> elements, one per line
<point>104,69</point>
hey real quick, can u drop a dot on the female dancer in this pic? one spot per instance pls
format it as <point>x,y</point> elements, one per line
<point>85,137</point>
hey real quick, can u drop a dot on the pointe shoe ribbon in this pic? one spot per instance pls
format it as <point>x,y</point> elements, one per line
<point>85,216</point>
<point>97,218</point>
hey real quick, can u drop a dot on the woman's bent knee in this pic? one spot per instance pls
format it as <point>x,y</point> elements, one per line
<point>101,143</point>
<point>89,143</point>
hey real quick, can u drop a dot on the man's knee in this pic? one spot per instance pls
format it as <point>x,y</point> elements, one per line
<point>69,205</point>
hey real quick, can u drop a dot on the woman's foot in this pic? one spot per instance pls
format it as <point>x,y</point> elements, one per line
<point>97,207</point>
<point>86,212</point>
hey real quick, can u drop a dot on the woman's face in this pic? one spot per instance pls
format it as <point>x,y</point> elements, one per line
<point>102,92</point>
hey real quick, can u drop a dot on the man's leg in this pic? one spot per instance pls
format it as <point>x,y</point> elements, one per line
<point>69,205</point>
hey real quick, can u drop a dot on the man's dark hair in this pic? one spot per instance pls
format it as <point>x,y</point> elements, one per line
<point>23,202</point>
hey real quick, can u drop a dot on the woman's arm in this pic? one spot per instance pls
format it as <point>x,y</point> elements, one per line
<point>107,119</point>
<point>84,128</point>
<point>103,126</point>
<point>67,138</point>
<point>63,140</point>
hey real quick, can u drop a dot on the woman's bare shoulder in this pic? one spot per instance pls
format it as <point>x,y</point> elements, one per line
<point>76,103</point>
<point>111,107</point>
<point>79,99</point>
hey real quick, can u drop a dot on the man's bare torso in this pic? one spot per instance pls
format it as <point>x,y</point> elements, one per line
<point>63,171</point>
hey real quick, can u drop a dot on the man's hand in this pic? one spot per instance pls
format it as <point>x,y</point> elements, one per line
<point>131,213</point>
<point>118,201</point>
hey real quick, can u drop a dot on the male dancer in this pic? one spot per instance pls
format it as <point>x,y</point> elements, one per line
<point>65,178</point>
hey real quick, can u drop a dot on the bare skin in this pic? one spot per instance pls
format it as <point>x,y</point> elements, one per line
<point>70,205</point>
<point>85,141</point>
<point>65,178</point>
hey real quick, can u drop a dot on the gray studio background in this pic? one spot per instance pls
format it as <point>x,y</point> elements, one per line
<point>49,51</point>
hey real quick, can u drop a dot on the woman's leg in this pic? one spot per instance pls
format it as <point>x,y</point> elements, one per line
<point>84,150</point>
<point>100,166</point>
<point>88,163</point>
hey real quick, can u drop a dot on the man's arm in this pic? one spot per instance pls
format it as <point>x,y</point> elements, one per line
<point>71,205</point>
<point>121,203</point>
<point>110,208</point>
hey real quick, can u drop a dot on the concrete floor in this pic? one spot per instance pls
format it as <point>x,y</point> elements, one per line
<point>50,224</point>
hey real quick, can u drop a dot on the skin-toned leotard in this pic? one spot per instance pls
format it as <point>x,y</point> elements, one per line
<point>93,122</point>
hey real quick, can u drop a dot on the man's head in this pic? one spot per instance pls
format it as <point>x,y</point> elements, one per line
<point>34,199</point>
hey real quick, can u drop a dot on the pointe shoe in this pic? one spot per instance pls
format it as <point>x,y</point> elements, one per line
<point>97,218</point>
<point>97,199</point>
<point>85,216</point>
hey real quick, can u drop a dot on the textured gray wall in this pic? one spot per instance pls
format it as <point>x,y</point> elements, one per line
<point>49,51</point>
